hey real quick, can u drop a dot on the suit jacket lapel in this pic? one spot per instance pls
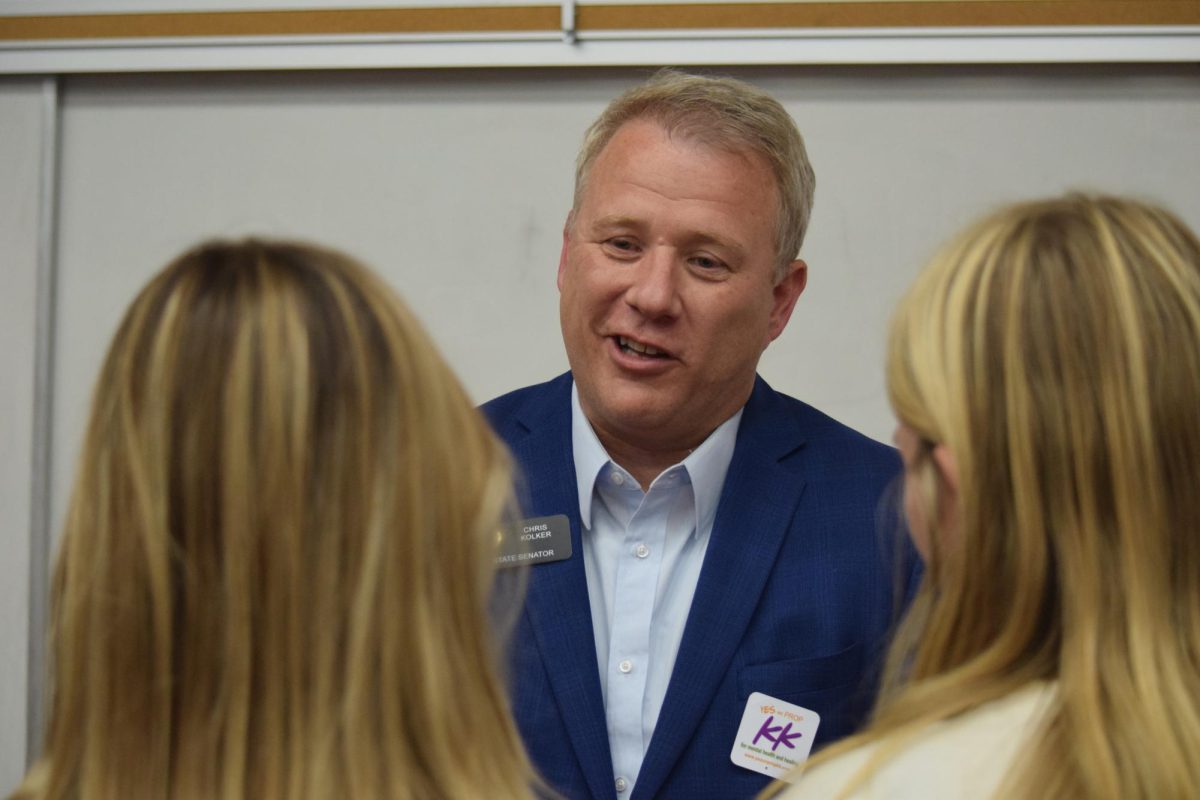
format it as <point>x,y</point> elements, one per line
<point>753,517</point>
<point>557,606</point>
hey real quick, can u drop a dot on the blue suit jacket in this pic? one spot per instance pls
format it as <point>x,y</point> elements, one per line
<point>794,599</point>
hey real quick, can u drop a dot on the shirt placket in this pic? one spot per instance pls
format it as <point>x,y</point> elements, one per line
<point>636,582</point>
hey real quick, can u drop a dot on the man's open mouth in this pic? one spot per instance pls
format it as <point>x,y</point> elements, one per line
<point>637,348</point>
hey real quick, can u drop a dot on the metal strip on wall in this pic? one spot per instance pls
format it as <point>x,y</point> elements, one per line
<point>43,412</point>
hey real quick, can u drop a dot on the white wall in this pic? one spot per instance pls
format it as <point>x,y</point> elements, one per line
<point>455,185</point>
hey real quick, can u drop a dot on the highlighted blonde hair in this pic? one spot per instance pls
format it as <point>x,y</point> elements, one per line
<point>276,566</point>
<point>1055,349</point>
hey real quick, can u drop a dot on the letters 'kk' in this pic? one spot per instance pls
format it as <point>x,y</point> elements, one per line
<point>776,735</point>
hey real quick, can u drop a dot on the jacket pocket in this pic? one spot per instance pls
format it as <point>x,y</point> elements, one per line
<point>834,686</point>
<point>797,677</point>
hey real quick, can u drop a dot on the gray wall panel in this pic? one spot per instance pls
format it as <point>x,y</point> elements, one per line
<point>25,141</point>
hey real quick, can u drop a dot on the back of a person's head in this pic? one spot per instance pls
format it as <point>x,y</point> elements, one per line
<point>1054,348</point>
<point>277,560</point>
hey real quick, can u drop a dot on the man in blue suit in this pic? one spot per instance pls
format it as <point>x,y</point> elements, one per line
<point>724,539</point>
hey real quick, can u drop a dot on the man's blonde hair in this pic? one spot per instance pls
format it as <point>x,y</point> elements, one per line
<point>723,113</point>
<point>277,560</point>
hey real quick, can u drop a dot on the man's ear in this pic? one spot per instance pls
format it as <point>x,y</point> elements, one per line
<point>566,241</point>
<point>785,295</point>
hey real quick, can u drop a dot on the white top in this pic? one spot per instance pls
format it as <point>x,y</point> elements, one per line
<point>964,757</point>
<point>642,552</point>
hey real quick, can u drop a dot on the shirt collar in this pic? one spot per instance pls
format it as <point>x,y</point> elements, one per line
<point>590,457</point>
<point>706,466</point>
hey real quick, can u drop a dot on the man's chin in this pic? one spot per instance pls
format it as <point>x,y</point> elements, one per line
<point>648,421</point>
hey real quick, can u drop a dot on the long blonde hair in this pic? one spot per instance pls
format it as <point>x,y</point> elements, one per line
<point>275,573</point>
<point>1054,348</point>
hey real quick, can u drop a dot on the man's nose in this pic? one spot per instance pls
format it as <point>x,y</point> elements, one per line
<point>654,289</point>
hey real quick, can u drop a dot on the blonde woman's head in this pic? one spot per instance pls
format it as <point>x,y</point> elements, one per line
<point>1051,356</point>
<point>277,561</point>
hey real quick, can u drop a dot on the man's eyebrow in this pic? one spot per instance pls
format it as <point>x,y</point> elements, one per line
<point>614,221</point>
<point>700,239</point>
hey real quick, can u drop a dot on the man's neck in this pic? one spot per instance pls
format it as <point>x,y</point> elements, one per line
<point>643,464</point>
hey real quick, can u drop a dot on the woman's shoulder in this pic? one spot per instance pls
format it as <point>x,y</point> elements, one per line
<point>966,756</point>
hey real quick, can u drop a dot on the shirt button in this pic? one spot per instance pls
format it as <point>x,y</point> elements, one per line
<point>641,551</point>
<point>625,666</point>
<point>618,478</point>
<point>622,785</point>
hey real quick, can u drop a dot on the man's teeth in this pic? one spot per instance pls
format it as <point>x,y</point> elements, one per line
<point>638,347</point>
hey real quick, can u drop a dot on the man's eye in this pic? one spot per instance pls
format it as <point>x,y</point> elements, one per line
<point>622,245</point>
<point>707,262</point>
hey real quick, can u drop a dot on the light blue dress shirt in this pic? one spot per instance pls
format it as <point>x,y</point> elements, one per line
<point>642,552</point>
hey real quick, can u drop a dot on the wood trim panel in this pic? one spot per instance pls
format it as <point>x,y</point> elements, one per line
<point>461,19</point>
<point>632,16</point>
<point>927,14</point>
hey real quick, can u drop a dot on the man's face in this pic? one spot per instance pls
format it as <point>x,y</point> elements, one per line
<point>667,290</point>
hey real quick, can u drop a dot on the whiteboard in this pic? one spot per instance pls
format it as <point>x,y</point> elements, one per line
<point>455,185</point>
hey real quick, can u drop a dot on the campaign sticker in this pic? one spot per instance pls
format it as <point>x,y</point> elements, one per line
<point>534,541</point>
<point>775,737</point>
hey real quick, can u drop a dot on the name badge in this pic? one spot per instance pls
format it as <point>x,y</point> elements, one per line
<point>775,737</point>
<point>534,541</point>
